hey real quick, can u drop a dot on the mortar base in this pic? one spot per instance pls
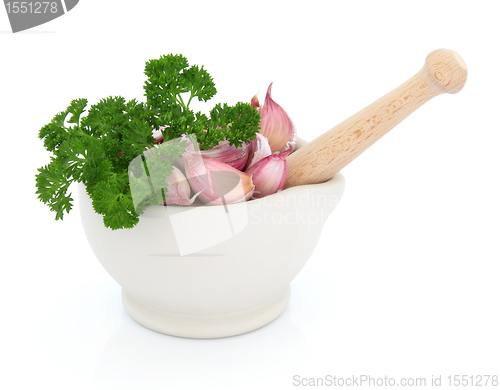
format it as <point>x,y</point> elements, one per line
<point>205,327</point>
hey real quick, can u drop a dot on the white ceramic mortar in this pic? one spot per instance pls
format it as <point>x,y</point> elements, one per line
<point>207,272</point>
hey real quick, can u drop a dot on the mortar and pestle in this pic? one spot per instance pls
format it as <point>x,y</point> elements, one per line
<point>208,272</point>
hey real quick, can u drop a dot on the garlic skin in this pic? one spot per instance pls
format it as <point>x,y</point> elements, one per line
<point>216,182</point>
<point>158,135</point>
<point>234,156</point>
<point>275,124</point>
<point>269,174</point>
<point>191,147</point>
<point>258,149</point>
<point>255,102</point>
<point>178,189</point>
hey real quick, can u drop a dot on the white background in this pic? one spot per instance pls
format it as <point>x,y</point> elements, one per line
<point>405,279</point>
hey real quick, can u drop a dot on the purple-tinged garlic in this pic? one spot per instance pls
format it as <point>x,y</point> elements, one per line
<point>269,174</point>
<point>158,135</point>
<point>257,150</point>
<point>275,123</point>
<point>217,182</point>
<point>178,189</point>
<point>234,156</point>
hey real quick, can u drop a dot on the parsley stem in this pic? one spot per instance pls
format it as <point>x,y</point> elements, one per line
<point>182,102</point>
<point>145,165</point>
<point>190,98</point>
<point>163,196</point>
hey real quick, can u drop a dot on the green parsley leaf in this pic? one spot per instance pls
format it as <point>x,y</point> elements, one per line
<point>101,149</point>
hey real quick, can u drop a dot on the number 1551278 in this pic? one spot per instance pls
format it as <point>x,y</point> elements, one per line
<point>30,7</point>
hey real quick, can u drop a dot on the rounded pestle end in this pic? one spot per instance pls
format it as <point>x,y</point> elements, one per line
<point>447,69</point>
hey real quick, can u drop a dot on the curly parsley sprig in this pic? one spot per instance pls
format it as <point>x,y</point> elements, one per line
<point>96,149</point>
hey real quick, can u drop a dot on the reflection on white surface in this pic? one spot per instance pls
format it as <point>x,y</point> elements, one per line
<point>136,355</point>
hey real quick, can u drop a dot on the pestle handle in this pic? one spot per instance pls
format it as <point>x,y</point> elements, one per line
<point>444,71</point>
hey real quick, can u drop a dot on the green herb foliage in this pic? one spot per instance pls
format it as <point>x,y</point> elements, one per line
<point>96,149</point>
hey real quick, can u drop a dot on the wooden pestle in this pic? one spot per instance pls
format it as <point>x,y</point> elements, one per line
<point>444,71</point>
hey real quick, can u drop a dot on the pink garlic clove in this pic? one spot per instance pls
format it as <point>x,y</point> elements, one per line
<point>269,174</point>
<point>258,149</point>
<point>178,189</point>
<point>217,182</point>
<point>234,156</point>
<point>275,124</point>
